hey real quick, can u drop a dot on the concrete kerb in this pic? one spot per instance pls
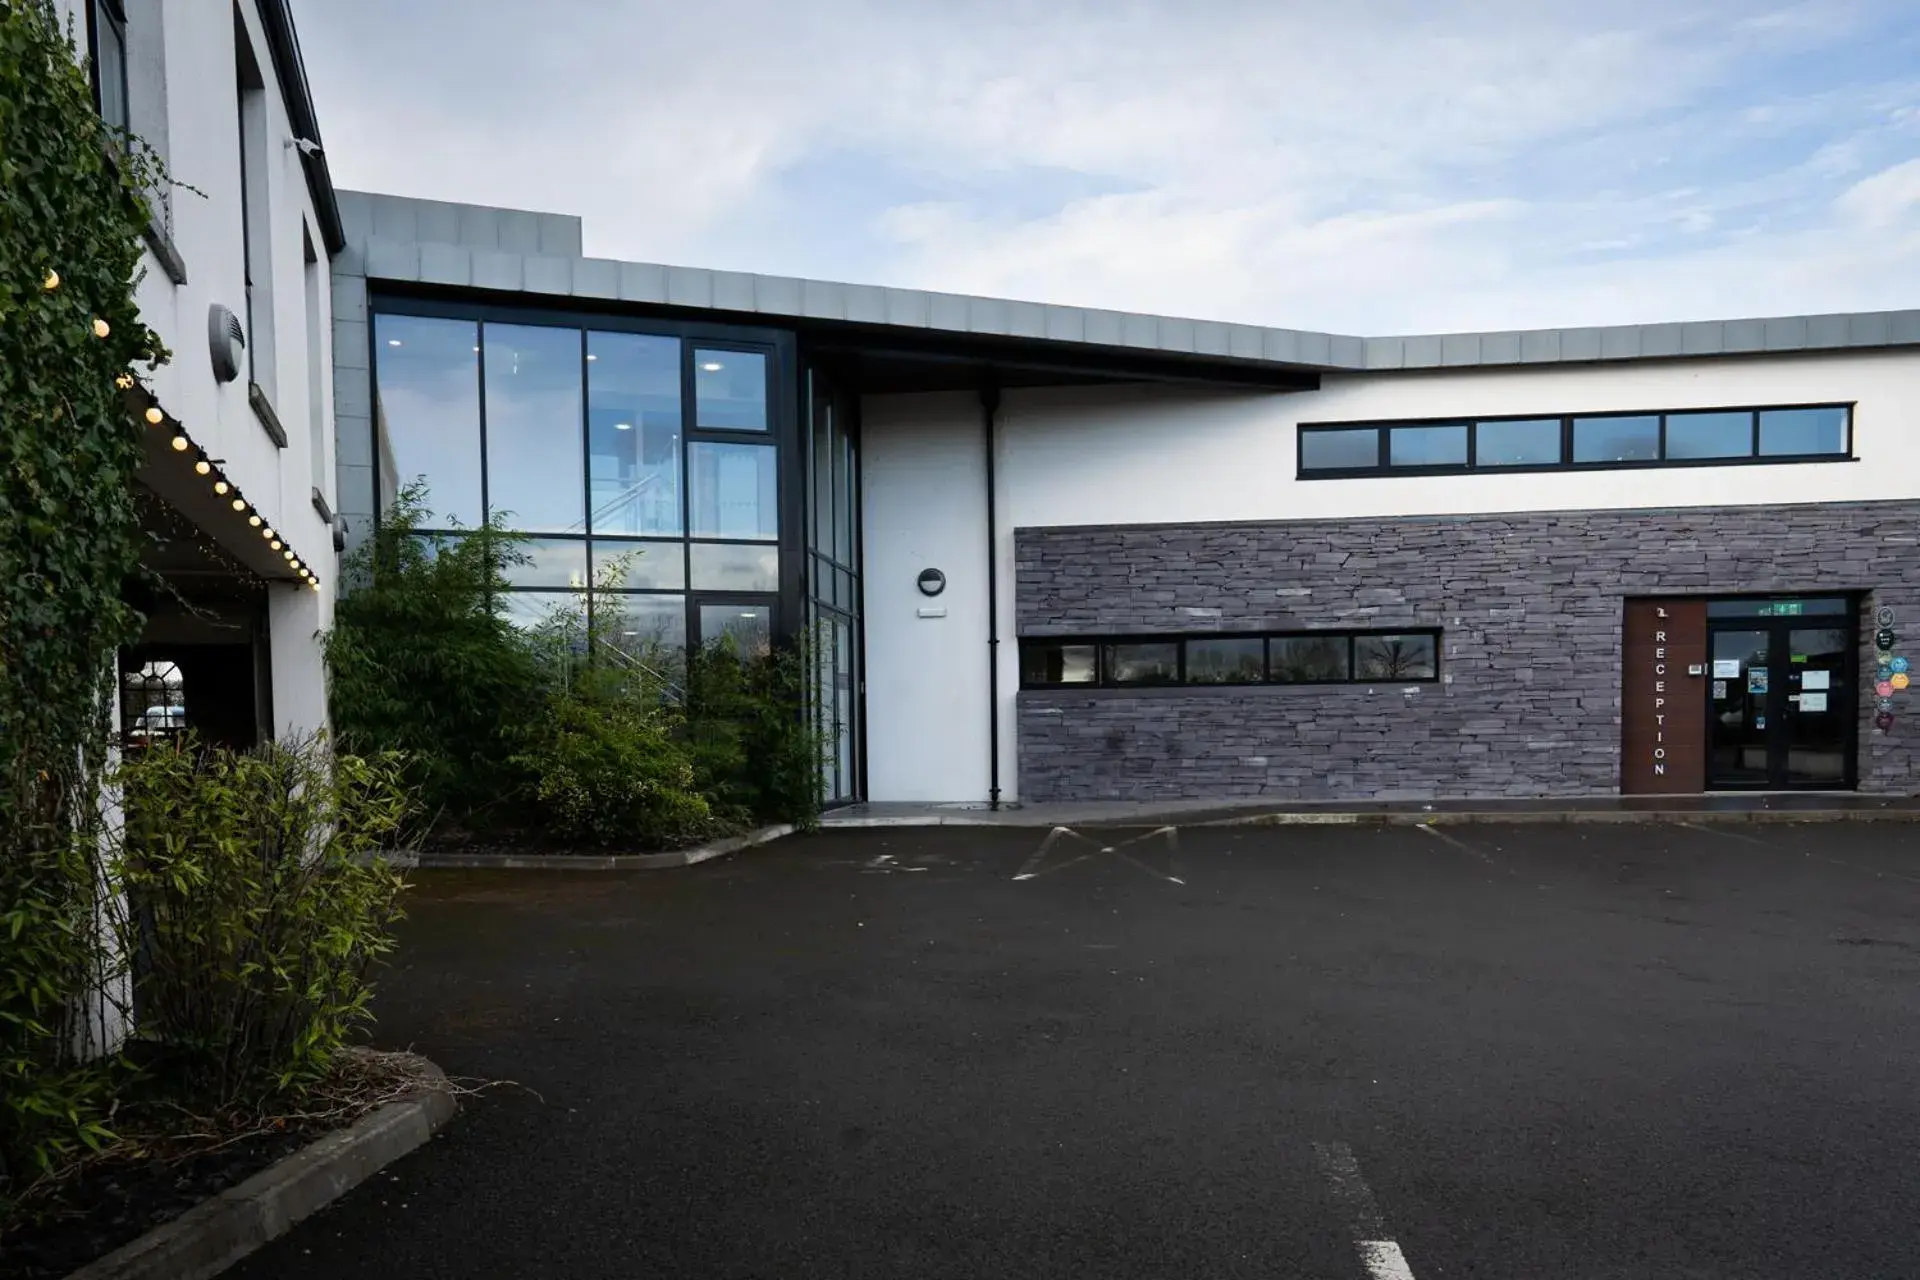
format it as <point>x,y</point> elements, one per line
<point>592,862</point>
<point>218,1232</point>
<point>1567,817</point>
<point>1352,818</point>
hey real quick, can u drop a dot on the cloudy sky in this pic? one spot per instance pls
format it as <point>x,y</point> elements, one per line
<point>1363,166</point>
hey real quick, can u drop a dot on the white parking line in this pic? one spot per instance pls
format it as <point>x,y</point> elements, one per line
<point>1459,844</point>
<point>1032,868</point>
<point>1380,1255</point>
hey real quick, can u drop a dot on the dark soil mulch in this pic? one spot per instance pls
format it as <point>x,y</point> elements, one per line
<point>118,1201</point>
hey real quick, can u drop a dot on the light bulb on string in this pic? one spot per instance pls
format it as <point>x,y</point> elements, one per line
<point>268,535</point>
<point>52,281</point>
<point>275,544</point>
<point>239,504</point>
<point>181,444</point>
<point>101,328</point>
<point>124,382</point>
<point>255,520</point>
<point>155,416</point>
<point>221,487</point>
<point>288,553</point>
<point>203,467</point>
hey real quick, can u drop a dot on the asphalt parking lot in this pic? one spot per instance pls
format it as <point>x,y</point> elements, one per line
<point>1501,1051</point>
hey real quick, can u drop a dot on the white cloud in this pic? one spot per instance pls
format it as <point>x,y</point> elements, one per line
<point>1369,167</point>
<point>1887,199</point>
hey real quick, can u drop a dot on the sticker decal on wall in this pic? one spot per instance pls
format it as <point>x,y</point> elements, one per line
<point>1726,668</point>
<point>1757,680</point>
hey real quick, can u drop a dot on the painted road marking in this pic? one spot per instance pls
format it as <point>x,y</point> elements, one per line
<point>1032,868</point>
<point>1379,1254</point>
<point>1458,843</point>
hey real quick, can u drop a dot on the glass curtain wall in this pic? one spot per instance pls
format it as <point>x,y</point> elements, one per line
<point>833,588</point>
<point>643,466</point>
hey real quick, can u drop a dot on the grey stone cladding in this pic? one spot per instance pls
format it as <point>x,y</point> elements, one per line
<point>1531,609</point>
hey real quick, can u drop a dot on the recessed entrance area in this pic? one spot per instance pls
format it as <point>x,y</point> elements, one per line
<point>1740,694</point>
<point>1781,700</point>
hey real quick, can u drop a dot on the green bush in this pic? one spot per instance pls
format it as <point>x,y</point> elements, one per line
<point>562,730</point>
<point>51,1104</point>
<point>71,214</point>
<point>421,663</point>
<point>608,772</point>
<point>256,899</point>
<point>756,756</point>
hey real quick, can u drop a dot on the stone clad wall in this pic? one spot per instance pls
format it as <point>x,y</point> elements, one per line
<point>1531,609</point>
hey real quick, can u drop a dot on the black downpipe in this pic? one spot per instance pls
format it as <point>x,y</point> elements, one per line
<point>989,407</point>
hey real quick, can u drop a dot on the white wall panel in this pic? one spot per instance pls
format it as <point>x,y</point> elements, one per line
<point>923,472</point>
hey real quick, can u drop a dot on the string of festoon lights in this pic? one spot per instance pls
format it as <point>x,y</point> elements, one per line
<point>205,466</point>
<point>225,489</point>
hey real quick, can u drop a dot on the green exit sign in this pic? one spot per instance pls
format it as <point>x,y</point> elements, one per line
<point>1782,608</point>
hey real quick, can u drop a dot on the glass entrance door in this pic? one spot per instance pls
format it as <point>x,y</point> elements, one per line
<point>833,588</point>
<point>1818,718</point>
<point>1737,724</point>
<point>1782,703</point>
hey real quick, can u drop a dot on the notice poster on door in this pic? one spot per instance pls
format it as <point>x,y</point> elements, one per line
<point>1757,680</point>
<point>1813,702</point>
<point>1726,668</point>
<point>1811,680</point>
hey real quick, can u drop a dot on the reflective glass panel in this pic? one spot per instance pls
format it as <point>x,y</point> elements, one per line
<point>730,390</point>
<point>1394,658</point>
<point>1233,660</point>
<point>1427,446</point>
<point>1154,663</point>
<point>1050,662</point>
<point>426,414</point>
<point>534,460</point>
<point>638,624</point>
<point>639,565</point>
<point>1307,659</point>
<point>1709,435</point>
<point>1787,432</point>
<point>1617,439</point>
<point>558,615</point>
<point>749,626</point>
<point>732,489</point>
<point>1339,450</point>
<point>721,566</point>
<point>548,562</point>
<point>633,432</point>
<point>1530,442</point>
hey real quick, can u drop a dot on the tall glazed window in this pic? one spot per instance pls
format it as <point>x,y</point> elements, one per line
<point>426,414</point>
<point>648,485</point>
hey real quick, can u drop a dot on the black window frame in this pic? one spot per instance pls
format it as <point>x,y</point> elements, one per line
<point>779,346</point>
<point>1102,679</point>
<point>115,14</point>
<point>1385,467</point>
